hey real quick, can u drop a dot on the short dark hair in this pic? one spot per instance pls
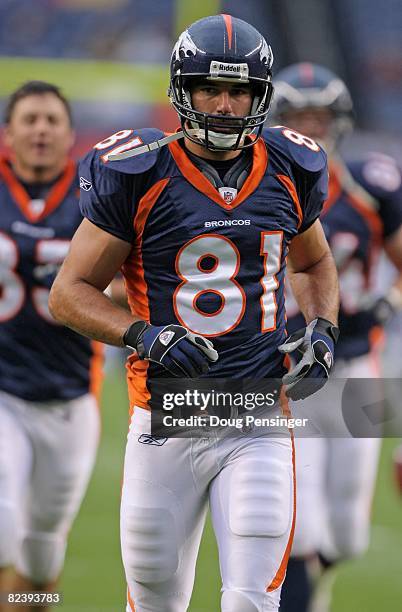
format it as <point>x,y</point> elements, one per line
<point>32,88</point>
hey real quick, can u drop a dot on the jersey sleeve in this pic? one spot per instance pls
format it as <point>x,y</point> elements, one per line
<point>107,198</point>
<point>305,162</point>
<point>313,191</point>
<point>110,190</point>
<point>381,177</point>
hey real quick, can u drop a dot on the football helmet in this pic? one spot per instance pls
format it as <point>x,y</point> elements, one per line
<point>221,48</point>
<point>310,86</point>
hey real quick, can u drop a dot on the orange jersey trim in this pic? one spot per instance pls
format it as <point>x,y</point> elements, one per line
<point>22,199</point>
<point>369,214</point>
<point>138,392</point>
<point>376,340</point>
<point>136,286</point>
<point>229,28</point>
<point>291,189</point>
<point>200,182</point>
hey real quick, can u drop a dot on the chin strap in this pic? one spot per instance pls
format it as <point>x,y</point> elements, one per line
<point>215,138</point>
<point>157,144</point>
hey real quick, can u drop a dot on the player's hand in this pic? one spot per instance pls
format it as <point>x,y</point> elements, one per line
<point>313,350</point>
<point>174,347</point>
<point>380,310</point>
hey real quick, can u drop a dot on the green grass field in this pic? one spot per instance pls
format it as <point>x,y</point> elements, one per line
<point>93,577</point>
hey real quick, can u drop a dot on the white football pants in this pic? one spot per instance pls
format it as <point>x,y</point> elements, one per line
<point>248,481</point>
<point>47,452</point>
<point>336,478</point>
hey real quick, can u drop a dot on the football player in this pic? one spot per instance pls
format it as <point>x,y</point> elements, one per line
<point>49,375</point>
<point>362,215</point>
<point>202,229</point>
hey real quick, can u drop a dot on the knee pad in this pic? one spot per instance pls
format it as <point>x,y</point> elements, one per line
<point>261,499</point>
<point>41,557</point>
<point>149,544</point>
<point>8,536</point>
<point>236,601</point>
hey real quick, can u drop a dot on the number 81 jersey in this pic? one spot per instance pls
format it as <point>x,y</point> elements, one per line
<point>213,266</point>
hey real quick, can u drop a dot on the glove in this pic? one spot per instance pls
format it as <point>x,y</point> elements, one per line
<point>315,358</point>
<point>174,347</point>
<point>382,309</point>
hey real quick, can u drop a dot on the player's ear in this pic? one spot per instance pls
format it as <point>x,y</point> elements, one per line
<point>71,140</point>
<point>7,135</point>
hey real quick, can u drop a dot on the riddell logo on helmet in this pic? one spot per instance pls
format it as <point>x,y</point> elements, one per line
<point>220,69</point>
<point>229,67</point>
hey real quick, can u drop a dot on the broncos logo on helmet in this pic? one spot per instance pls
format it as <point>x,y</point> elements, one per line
<point>184,47</point>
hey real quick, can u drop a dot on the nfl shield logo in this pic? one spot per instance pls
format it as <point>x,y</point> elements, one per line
<point>328,359</point>
<point>166,337</point>
<point>228,194</point>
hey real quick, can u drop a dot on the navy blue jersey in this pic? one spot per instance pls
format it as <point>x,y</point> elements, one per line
<point>363,210</point>
<point>213,266</point>
<point>39,359</point>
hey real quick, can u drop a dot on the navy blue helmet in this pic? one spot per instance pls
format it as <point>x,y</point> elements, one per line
<point>221,48</point>
<point>310,86</point>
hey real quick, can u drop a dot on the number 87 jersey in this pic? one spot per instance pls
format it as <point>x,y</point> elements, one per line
<point>214,266</point>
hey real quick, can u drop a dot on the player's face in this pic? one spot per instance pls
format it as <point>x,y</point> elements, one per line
<point>220,98</point>
<point>40,135</point>
<point>313,122</point>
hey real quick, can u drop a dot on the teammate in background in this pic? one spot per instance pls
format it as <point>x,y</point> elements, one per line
<point>49,375</point>
<point>201,230</point>
<point>363,213</point>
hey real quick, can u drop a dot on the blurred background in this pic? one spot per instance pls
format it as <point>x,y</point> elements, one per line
<point>111,59</point>
<point>111,56</point>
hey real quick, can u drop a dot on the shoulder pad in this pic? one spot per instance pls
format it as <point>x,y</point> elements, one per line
<point>124,140</point>
<point>297,148</point>
<point>379,174</point>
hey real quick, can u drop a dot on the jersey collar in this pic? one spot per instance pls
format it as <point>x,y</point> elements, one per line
<point>200,182</point>
<point>22,198</point>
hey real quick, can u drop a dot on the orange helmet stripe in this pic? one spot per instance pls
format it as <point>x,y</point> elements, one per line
<point>228,23</point>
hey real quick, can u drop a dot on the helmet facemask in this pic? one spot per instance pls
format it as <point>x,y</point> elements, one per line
<point>230,132</point>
